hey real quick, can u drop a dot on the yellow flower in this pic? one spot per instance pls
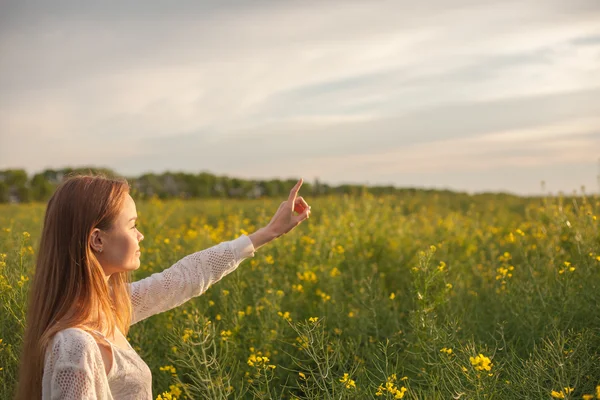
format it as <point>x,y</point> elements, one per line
<point>187,333</point>
<point>225,335</point>
<point>481,363</point>
<point>390,387</point>
<point>258,360</point>
<point>175,390</point>
<point>22,281</point>
<point>285,315</point>
<point>442,266</point>
<point>307,276</point>
<point>392,296</point>
<point>348,383</point>
<point>562,393</point>
<point>313,319</point>
<point>298,288</point>
<point>447,351</point>
<point>335,272</point>
<point>169,368</point>
<point>302,375</point>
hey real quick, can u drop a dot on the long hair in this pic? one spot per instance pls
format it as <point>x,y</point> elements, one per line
<point>69,288</point>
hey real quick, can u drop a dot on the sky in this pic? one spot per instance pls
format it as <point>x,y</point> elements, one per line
<point>464,95</point>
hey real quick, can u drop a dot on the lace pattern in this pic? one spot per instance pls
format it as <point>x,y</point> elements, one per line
<point>189,277</point>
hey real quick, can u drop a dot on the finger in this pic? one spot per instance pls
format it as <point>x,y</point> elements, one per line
<point>303,216</point>
<point>301,200</point>
<point>294,191</point>
<point>299,208</point>
<point>300,205</point>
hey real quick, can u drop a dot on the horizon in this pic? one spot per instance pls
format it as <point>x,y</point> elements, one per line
<point>475,97</point>
<point>544,192</point>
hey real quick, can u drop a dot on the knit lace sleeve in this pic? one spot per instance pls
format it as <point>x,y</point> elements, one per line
<point>73,368</point>
<point>189,277</point>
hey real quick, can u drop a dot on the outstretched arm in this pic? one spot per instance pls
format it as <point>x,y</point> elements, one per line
<point>194,274</point>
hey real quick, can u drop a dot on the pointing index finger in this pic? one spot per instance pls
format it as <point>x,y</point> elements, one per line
<point>294,191</point>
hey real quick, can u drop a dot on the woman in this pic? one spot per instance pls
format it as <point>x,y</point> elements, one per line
<point>81,303</point>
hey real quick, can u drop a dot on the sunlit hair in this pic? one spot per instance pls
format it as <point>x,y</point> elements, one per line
<point>69,288</point>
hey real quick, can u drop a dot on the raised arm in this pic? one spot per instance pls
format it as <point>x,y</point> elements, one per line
<point>189,277</point>
<point>194,274</point>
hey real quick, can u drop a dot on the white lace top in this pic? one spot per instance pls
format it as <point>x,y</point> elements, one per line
<point>74,368</point>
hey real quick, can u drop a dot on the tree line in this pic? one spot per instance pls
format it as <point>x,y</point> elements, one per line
<point>16,186</point>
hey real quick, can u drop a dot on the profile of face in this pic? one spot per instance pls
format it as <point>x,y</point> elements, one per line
<point>118,249</point>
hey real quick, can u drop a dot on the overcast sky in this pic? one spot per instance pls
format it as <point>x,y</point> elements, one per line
<point>468,95</point>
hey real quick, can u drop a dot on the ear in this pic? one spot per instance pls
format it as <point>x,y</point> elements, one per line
<point>97,240</point>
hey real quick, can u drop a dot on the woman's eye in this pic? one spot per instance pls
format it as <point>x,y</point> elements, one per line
<point>134,226</point>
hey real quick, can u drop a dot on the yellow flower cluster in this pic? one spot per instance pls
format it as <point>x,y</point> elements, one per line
<point>302,342</point>
<point>166,396</point>
<point>187,334</point>
<point>446,350</point>
<point>481,363</point>
<point>285,315</point>
<point>256,359</point>
<point>585,396</point>
<point>567,267</point>
<point>226,335</point>
<point>22,281</point>
<point>348,383</point>
<point>504,273</point>
<point>562,393</point>
<point>169,368</point>
<point>324,296</point>
<point>307,276</point>
<point>391,388</point>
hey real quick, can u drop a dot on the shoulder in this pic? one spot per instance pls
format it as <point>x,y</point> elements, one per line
<point>73,337</point>
<point>74,344</point>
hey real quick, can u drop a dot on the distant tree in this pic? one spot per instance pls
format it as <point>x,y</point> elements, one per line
<point>41,188</point>
<point>4,191</point>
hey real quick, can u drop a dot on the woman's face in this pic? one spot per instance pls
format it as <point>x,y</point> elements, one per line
<point>121,244</point>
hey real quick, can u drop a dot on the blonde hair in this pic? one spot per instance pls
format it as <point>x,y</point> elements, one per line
<point>69,288</point>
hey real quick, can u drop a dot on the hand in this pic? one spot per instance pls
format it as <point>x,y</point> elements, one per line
<point>284,219</point>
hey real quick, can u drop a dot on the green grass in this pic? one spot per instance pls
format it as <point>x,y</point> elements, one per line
<point>390,282</point>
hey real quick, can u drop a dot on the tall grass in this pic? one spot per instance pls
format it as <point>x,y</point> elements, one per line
<point>425,296</point>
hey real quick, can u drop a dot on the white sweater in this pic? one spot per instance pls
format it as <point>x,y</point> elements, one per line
<point>73,367</point>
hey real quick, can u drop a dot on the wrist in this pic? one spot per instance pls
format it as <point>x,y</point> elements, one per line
<point>261,237</point>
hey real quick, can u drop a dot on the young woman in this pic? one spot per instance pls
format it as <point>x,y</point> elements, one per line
<point>81,302</point>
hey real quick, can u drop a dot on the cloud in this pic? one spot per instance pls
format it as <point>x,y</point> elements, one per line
<point>286,82</point>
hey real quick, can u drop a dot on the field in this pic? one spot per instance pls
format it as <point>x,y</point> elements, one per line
<point>427,295</point>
